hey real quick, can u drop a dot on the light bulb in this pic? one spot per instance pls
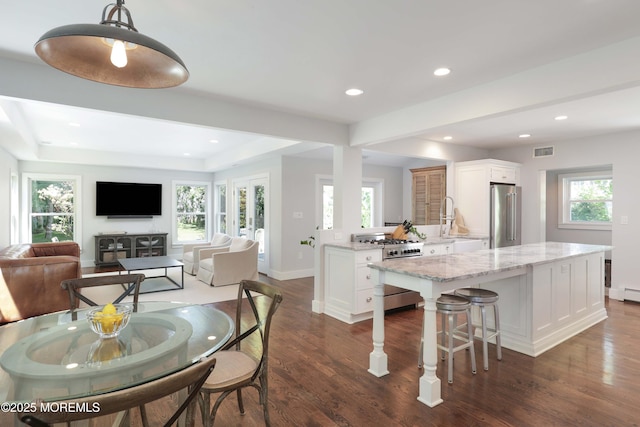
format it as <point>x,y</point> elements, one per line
<point>118,54</point>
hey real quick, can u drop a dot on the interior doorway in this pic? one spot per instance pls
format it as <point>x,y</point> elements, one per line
<point>250,204</point>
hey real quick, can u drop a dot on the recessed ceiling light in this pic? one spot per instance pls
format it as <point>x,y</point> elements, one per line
<point>441,72</point>
<point>561,117</point>
<point>524,135</point>
<point>74,124</point>
<point>213,141</point>
<point>448,138</point>
<point>354,92</point>
<point>73,144</point>
<point>186,154</point>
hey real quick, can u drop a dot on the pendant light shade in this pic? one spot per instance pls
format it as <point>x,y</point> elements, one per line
<point>112,52</point>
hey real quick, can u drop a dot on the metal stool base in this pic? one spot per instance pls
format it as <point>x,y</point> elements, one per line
<point>483,298</point>
<point>450,306</point>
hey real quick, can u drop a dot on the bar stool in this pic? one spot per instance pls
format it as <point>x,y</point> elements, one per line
<point>450,307</point>
<point>483,298</point>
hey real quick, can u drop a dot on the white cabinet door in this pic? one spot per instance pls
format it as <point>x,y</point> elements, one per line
<point>503,175</point>
<point>348,283</point>
<point>464,245</point>
<point>436,249</point>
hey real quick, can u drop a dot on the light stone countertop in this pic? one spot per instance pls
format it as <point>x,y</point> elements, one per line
<point>457,266</point>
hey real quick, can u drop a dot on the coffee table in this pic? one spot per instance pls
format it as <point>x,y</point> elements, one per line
<point>154,283</point>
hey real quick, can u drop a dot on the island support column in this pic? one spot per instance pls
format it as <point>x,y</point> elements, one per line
<point>430,386</point>
<point>378,358</point>
<point>430,392</point>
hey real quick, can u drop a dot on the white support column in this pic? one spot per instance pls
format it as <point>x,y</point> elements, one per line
<point>347,189</point>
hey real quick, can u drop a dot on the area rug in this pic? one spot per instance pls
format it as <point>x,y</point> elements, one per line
<point>194,292</point>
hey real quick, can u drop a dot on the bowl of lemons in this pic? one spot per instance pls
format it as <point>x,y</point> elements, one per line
<point>109,320</point>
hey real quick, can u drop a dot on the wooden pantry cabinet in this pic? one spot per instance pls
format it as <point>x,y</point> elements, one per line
<point>429,188</point>
<point>109,248</point>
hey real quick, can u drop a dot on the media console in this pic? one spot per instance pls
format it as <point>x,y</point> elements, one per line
<point>112,247</point>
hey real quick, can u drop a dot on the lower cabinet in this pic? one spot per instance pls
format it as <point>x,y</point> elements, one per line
<point>348,283</point>
<point>550,303</point>
<point>112,247</point>
<point>437,249</point>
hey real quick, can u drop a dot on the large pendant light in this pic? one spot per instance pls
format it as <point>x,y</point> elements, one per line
<point>112,52</point>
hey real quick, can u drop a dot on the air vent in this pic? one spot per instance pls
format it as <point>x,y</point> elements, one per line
<point>543,152</point>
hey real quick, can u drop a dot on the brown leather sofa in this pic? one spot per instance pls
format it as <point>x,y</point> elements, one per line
<point>31,276</point>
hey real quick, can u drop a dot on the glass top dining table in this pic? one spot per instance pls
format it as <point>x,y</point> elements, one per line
<point>54,358</point>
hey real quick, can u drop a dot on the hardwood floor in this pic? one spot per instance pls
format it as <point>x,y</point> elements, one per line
<point>318,376</point>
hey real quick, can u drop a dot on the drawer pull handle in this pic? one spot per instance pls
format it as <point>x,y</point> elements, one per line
<point>369,299</point>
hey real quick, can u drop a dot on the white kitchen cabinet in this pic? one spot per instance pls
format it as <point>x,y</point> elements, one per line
<point>348,284</point>
<point>469,245</point>
<point>549,304</point>
<point>472,189</point>
<point>437,249</point>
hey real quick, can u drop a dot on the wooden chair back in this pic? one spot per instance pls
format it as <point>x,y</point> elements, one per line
<point>262,323</point>
<point>192,377</point>
<point>130,284</point>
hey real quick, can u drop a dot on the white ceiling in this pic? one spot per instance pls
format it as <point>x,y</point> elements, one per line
<point>515,64</point>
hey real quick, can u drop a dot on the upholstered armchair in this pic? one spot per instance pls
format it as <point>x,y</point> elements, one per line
<point>229,265</point>
<point>30,276</point>
<point>191,253</point>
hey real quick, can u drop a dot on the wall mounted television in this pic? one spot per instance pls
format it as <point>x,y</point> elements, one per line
<point>128,199</point>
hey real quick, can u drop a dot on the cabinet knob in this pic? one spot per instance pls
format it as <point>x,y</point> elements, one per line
<point>368,276</point>
<point>433,251</point>
<point>369,299</point>
<point>369,258</point>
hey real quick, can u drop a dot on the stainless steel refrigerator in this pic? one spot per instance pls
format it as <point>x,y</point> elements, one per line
<point>506,205</point>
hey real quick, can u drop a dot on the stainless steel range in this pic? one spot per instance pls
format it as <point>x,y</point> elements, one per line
<point>394,297</point>
<point>391,248</point>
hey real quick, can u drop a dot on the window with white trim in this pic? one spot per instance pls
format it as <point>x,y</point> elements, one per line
<point>15,210</point>
<point>371,208</point>
<point>191,212</point>
<point>52,207</point>
<point>221,207</point>
<point>586,200</point>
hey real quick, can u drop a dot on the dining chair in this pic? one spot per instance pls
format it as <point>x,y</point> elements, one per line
<point>190,378</point>
<point>130,284</point>
<point>237,368</point>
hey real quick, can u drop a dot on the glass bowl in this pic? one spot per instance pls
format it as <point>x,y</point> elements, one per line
<point>109,325</point>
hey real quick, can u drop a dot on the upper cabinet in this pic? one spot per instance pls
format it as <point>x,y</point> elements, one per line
<point>472,189</point>
<point>429,187</point>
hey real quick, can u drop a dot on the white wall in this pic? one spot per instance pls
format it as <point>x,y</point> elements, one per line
<point>8,165</point>
<point>92,224</point>
<point>622,151</point>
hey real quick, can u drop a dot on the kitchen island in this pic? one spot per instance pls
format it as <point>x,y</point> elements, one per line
<point>548,291</point>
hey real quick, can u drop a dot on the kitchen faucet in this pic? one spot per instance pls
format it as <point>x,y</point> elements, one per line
<point>443,214</point>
